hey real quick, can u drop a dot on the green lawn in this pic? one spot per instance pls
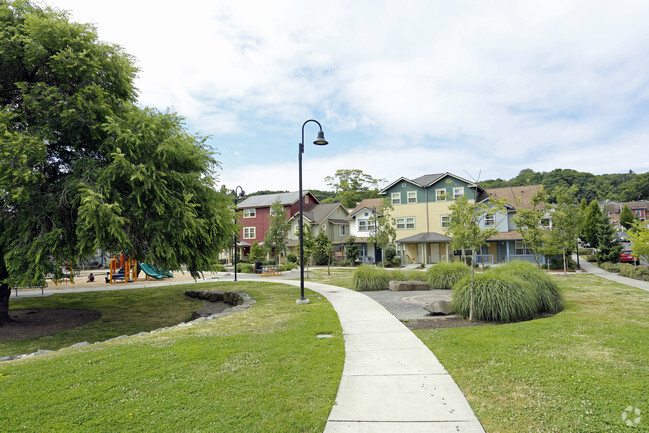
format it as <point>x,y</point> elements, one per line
<point>261,370</point>
<point>575,372</point>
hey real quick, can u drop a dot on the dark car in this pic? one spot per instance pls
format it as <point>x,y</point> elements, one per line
<point>627,257</point>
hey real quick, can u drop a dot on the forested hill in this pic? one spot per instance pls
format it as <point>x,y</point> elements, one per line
<point>623,187</point>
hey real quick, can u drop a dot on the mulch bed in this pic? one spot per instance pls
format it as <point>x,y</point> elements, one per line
<point>34,323</point>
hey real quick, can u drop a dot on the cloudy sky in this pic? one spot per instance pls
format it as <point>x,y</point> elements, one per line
<point>401,88</point>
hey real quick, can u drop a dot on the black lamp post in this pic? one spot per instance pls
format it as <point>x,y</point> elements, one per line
<point>320,141</point>
<point>238,194</point>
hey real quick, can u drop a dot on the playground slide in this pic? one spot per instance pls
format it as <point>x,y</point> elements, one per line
<point>153,271</point>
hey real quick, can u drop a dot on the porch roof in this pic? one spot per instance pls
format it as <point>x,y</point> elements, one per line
<point>511,235</point>
<point>430,237</point>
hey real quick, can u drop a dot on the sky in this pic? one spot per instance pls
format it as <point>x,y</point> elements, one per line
<point>482,89</point>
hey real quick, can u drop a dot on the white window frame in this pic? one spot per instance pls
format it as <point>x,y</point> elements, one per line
<point>458,191</point>
<point>395,198</point>
<point>546,223</point>
<point>405,223</point>
<point>250,212</point>
<point>525,250</point>
<point>272,212</point>
<point>306,199</point>
<point>411,197</point>
<point>362,225</point>
<point>445,221</point>
<point>249,232</point>
<point>489,220</point>
<point>439,192</point>
<point>343,230</point>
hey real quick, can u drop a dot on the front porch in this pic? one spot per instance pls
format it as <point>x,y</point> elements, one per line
<point>424,248</point>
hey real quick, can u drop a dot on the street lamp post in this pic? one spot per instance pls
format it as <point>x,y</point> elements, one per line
<point>238,194</point>
<point>320,141</point>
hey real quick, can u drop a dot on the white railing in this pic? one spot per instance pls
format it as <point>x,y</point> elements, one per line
<point>484,258</point>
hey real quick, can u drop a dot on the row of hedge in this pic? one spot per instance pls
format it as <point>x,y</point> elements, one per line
<point>627,270</point>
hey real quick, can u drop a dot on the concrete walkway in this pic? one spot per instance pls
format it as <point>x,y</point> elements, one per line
<point>596,270</point>
<point>391,381</point>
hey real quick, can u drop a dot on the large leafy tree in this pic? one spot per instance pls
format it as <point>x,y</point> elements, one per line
<point>82,167</point>
<point>465,228</point>
<point>566,221</point>
<point>639,236</point>
<point>352,185</point>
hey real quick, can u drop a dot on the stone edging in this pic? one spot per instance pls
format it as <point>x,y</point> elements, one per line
<point>239,300</point>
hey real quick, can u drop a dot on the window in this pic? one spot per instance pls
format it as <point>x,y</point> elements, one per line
<point>440,194</point>
<point>362,226</point>
<point>446,221</point>
<point>490,220</point>
<point>343,230</point>
<point>405,223</point>
<point>249,232</point>
<point>249,213</point>
<point>412,196</point>
<point>522,249</point>
<point>545,223</point>
<point>458,192</point>
<point>272,212</point>
<point>396,197</point>
<point>638,213</point>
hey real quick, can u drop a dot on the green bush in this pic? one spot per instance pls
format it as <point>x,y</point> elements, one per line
<point>415,275</point>
<point>220,267</point>
<point>398,275</point>
<point>611,267</point>
<point>497,297</point>
<point>343,263</point>
<point>291,257</point>
<point>395,262</point>
<point>545,288</point>
<point>625,269</point>
<point>445,275</point>
<point>586,252</point>
<point>637,272</point>
<point>390,253</point>
<point>557,263</point>
<point>591,258</point>
<point>369,278</point>
<point>245,268</point>
<point>288,266</point>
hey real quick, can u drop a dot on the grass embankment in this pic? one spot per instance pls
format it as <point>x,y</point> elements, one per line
<point>577,371</point>
<point>261,370</point>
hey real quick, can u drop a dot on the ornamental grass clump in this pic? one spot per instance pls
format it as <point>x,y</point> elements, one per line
<point>370,278</point>
<point>398,275</point>
<point>545,287</point>
<point>446,275</point>
<point>415,275</point>
<point>497,297</point>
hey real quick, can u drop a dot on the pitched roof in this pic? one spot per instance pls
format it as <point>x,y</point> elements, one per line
<point>319,212</point>
<point>512,193</point>
<point>425,238</point>
<point>285,198</point>
<point>511,235</point>
<point>369,203</point>
<point>427,180</point>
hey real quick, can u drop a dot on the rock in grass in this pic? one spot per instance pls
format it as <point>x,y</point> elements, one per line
<point>439,307</point>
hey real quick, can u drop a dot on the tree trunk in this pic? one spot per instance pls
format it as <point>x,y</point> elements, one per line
<point>472,281</point>
<point>565,271</point>
<point>5,292</point>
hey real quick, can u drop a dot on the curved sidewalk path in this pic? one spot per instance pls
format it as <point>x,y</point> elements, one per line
<point>391,381</point>
<point>596,270</point>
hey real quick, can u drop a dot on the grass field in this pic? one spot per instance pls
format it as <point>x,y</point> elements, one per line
<point>261,370</point>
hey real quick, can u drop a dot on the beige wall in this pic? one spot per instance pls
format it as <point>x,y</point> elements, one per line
<point>424,222</point>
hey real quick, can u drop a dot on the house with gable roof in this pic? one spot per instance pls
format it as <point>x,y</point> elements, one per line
<point>361,226</point>
<point>508,244</point>
<point>255,212</point>
<point>421,214</point>
<point>330,218</point>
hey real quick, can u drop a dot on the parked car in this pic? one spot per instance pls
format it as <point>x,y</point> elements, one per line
<point>627,257</point>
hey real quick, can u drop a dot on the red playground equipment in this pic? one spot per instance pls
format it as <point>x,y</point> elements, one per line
<point>123,269</point>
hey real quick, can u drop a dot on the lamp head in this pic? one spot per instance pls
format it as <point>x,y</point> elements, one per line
<point>320,141</point>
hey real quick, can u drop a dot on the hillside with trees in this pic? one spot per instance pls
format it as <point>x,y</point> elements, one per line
<point>623,187</point>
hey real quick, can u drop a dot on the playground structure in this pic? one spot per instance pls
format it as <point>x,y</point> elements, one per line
<point>126,270</point>
<point>122,268</point>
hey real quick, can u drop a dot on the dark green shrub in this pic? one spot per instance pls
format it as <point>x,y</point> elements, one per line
<point>368,278</point>
<point>390,253</point>
<point>291,257</point>
<point>546,289</point>
<point>591,258</point>
<point>641,273</point>
<point>396,261</point>
<point>343,263</point>
<point>445,275</point>
<point>288,266</point>
<point>626,270</point>
<point>586,251</point>
<point>557,263</point>
<point>497,297</point>
<point>220,267</point>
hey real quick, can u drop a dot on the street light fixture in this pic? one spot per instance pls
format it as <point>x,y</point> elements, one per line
<point>320,141</point>
<point>238,194</point>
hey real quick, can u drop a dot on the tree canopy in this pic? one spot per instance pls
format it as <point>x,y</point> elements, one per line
<point>82,167</point>
<point>351,186</point>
